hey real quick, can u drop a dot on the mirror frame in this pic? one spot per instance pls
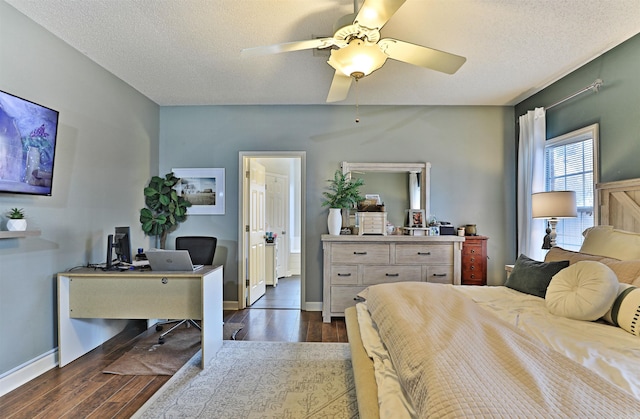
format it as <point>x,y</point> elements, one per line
<point>423,168</point>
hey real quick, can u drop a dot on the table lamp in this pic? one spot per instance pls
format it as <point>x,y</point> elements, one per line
<point>553,205</point>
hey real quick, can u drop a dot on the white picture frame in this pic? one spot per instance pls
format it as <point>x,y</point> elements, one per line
<point>204,188</point>
<point>416,218</point>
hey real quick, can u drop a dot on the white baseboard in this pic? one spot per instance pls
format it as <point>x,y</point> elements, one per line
<point>26,372</point>
<point>230,305</point>
<point>316,306</point>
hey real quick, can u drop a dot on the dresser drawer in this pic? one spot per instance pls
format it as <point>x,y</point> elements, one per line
<point>442,274</point>
<point>472,249</point>
<point>473,278</point>
<point>360,253</point>
<point>344,274</point>
<point>343,297</point>
<point>378,274</point>
<point>424,254</point>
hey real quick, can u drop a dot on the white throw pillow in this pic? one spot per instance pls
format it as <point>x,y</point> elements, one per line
<point>610,242</point>
<point>583,291</point>
<point>625,311</point>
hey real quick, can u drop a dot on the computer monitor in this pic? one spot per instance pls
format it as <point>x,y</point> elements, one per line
<point>120,242</point>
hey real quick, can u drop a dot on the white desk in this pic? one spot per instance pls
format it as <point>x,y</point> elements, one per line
<point>93,305</point>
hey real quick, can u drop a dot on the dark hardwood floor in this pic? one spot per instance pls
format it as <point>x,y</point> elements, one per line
<point>81,390</point>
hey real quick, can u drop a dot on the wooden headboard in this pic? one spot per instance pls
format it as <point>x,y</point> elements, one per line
<point>620,204</point>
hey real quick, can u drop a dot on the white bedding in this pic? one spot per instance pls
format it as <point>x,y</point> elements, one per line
<point>607,350</point>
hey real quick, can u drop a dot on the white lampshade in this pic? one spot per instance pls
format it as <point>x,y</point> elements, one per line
<point>554,204</point>
<point>357,58</point>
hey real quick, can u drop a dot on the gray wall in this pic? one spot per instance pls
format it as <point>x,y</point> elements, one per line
<point>615,108</point>
<point>107,149</point>
<point>471,150</point>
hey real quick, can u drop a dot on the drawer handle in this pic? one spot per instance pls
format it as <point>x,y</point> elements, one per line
<point>439,274</point>
<point>472,267</point>
<point>359,253</point>
<point>425,253</point>
<point>344,274</point>
<point>473,250</point>
<point>392,274</point>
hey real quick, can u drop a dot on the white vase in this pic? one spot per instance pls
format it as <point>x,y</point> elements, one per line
<point>17,224</point>
<point>334,221</point>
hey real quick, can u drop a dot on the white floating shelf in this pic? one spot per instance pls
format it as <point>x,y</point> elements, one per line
<point>18,234</point>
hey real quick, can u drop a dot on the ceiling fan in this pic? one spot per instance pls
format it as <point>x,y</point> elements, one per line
<point>357,49</point>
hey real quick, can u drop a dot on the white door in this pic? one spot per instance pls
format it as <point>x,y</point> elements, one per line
<point>257,267</point>
<point>278,217</point>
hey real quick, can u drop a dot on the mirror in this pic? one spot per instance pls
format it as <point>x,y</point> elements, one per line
<point>395,183</point>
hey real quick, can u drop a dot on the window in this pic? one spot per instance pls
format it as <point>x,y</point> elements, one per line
<point>571,165</point>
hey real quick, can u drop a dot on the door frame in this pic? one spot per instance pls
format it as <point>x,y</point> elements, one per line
<point>243,157</point>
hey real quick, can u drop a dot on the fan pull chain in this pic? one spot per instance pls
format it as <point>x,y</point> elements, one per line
<point>357,108</point>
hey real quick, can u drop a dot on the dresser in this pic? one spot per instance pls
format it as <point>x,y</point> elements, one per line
<point>352,263</point>
<point>474,260</point>
<point>271,263</point>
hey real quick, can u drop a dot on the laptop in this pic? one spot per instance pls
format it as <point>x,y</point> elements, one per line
<point>171,260</point>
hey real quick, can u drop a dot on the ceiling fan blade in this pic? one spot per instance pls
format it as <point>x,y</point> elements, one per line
<point>288,47</point>
<point>375,13</point>
<point>421,56</point>
<point>339,87</point>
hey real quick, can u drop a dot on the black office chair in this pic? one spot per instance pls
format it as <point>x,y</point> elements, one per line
<point>202,249</point>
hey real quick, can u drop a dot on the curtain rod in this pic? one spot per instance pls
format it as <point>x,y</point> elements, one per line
<point>595,86</point>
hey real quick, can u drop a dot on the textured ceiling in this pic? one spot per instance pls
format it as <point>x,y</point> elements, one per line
<point>187,52</point>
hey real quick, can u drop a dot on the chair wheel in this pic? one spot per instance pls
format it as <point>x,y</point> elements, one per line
<point>161,341</point>
<point>158,328</point>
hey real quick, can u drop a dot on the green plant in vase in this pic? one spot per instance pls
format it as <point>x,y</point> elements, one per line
<point>165,208</point>
<point>343,193</point>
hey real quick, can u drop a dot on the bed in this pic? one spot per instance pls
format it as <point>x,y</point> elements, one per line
<point>505,351</point>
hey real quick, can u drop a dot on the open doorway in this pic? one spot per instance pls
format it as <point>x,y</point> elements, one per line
<point>271,272</point>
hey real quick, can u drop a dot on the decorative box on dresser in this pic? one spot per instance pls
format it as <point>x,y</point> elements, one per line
<point>474,260</point>
<point>352,263</point>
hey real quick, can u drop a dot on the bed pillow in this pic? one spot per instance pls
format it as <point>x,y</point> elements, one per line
<point>627,271</point>
<point>625,311</point>
<point>583,291</point>
<point>532,277</point>
<point>610,242</point>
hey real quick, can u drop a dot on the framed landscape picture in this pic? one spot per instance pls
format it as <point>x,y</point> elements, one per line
<point>204,188</point>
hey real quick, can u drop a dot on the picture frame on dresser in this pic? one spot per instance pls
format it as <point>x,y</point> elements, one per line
<point>416,218</point>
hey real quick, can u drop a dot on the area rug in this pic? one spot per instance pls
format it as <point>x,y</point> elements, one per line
<point>261,380</point>
<point>148,357</point>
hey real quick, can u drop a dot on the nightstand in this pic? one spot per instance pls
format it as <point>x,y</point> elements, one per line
<point>474,260</point>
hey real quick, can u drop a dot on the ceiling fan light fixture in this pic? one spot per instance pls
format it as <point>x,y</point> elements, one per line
<point>358,59</point>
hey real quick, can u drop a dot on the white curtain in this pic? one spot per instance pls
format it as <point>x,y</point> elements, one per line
<point>530,180</point>
<point>414,191</point>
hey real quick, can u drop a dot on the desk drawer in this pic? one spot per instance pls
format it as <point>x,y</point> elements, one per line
<point>122,297</point>
<point>424,253</point>
<point>360,253</point>
<point>344,274</point>
<point>379,274</point>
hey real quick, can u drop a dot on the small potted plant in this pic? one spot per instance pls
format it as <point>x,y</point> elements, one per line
<point>343,193</point>
<point>16,220</point>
